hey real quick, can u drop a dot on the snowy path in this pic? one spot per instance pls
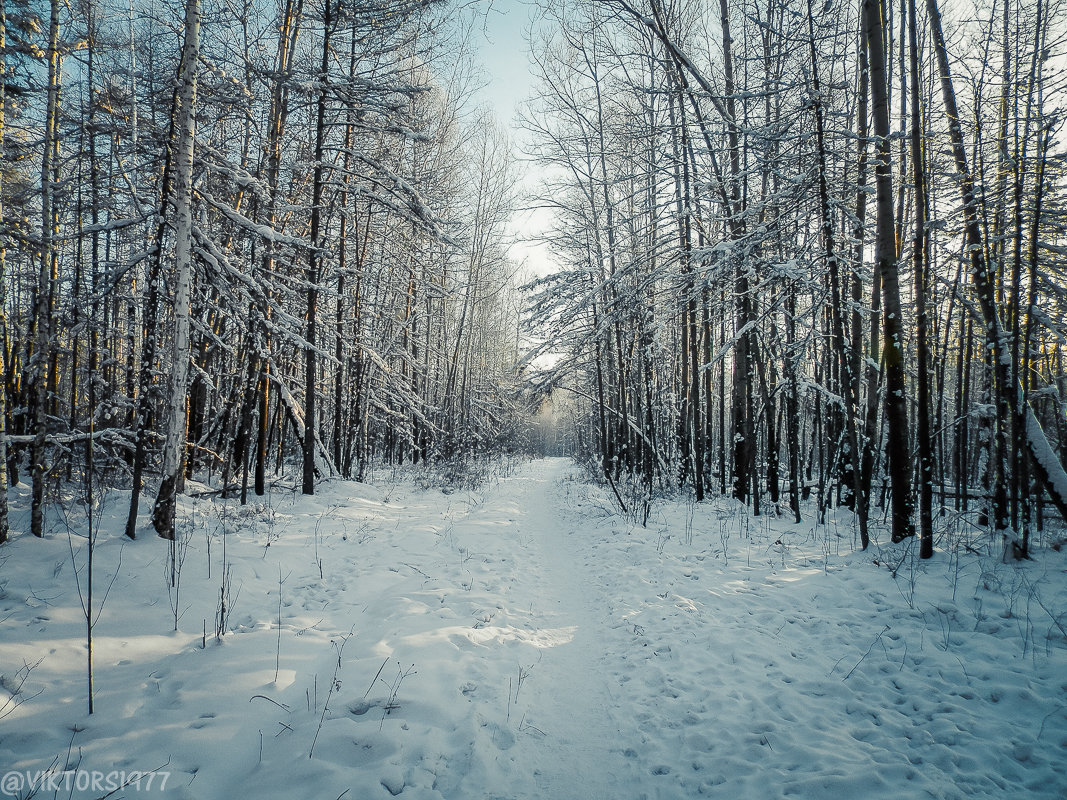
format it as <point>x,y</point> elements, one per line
<point>535,650</point>
<point>578,723</point>
<point>524,641</point>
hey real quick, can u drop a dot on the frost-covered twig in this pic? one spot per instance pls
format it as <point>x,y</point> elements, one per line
<point>335,685</point>
<point>877,639</point>
<point>394,687</point>
<point>15,696</point>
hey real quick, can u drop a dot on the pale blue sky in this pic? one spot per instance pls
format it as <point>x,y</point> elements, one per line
<point>504,53</point>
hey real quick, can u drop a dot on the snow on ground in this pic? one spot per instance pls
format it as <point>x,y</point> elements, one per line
<point>525,640</point>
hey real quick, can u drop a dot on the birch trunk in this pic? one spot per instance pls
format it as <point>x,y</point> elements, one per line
<point>174,444</point>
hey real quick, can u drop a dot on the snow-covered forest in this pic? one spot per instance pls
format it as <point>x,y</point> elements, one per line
<point>812,249</point>
<point>222,222</point>
<point>795,377</point>
<point>801,251</point>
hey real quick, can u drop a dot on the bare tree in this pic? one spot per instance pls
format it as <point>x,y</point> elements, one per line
<point>163,512</point>
<point>896,409</point>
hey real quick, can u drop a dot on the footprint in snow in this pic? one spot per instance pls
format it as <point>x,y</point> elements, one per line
<point>203,721</point>
<point>503,738</point>
<point>393,781</point>
<point>362,707</point>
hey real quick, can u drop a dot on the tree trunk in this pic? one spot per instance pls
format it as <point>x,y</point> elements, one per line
<point>837,310</point>
<point>148,355</point>
<point>174,444</point>
<point>864,458</point>
<point>311,367</point>
<point>3,288</point>
<point>47,275</point>
<point>792,403</point>
<point>288,34</point>
<point>920,249</point>
<point>896,409</point>
<point>741,401</point>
